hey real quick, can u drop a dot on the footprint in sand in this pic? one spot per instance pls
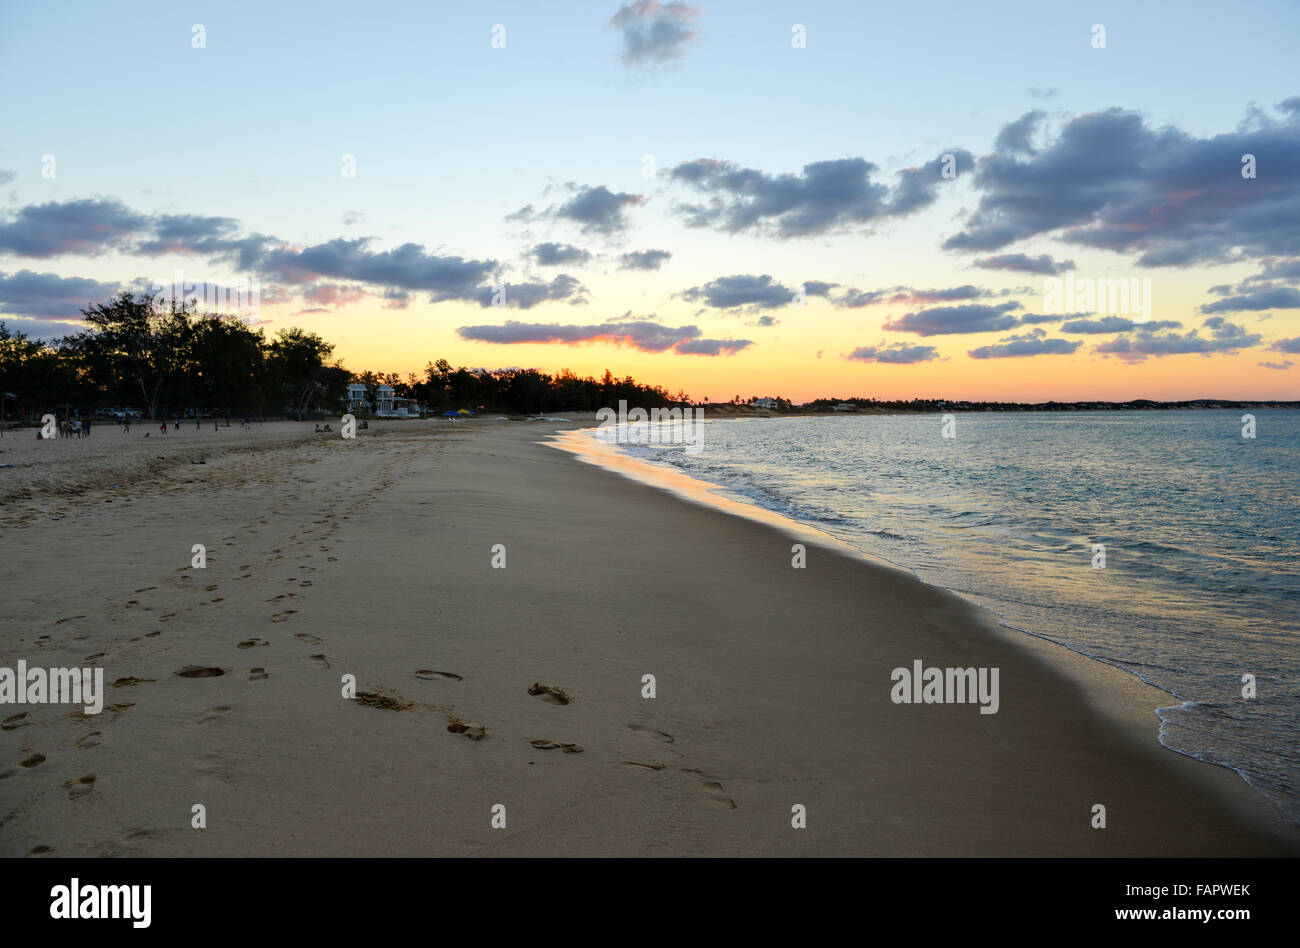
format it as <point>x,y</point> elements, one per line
<point>553,745</point>
<point>473,731</point>
<point>144,589</point>
<point>90,740</point>
<point>319,660</point>
<point>16,720</point>
<point>250,643</point>
<point>200,671</point>
<point>90,659</point>
<point>131,680</point>
<point>212,587</point>
<point>434,675</point>
<point>637,763</point>
<point>550,693</point>
<point>283,616</point>
<point>80,786</point>
<point>34,761</point>
<point>170,615</point>
<point>215,714</point>
<point>70,618</point>
<point>308,638</point>
<point>283,596</point>
<point>652,733</point>
<point>374,699</point>
<point>713,790</point>
<point>257,674</point>
<point>149,635</point>
<point>40,850</point>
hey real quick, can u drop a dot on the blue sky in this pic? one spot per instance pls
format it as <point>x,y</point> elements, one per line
<point>451,136</point>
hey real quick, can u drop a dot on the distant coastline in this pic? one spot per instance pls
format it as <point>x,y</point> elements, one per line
<point>865,406</point>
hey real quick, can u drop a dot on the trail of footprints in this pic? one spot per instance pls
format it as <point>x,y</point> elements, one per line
<point>711,789</point>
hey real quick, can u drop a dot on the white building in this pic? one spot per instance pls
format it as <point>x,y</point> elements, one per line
<point>846,406</point>
<point>387,405</point>
<point>764,403</point>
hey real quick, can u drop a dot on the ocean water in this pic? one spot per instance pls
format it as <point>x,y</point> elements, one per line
<point>1201,528</point>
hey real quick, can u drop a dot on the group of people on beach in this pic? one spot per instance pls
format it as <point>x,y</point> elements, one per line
<point>176,425</point>
<point>73,428</point>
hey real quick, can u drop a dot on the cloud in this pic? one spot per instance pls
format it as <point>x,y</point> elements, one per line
<point>730,292</point>
<point>596,210</point>
<point>1116,324</point>
<point>333,294</point>
<point>1015,136</point>
<point>827,196</point>
<point>528,295</point>
<point>644,335</point>
<point>89,226</point>
<point>896,353</point>
<point>1290,346</point>
<point>407,267</point>
<point>554,255</point>
<point>40,330</point>
<point>945,320</point>
<point>1111,181</point>
<point>1224,337</point>
<point>1036,93</point>
<point>654,32</point>
<point>27,293</point>
<point>1032,343</point>
<point>1281,297</point>
<point>1277,365</point>
<point>1042,264</point>
<point>713,347</point>
<point>644,259</point>
<point>6,176</point>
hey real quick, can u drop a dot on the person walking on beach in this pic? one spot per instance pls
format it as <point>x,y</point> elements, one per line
<point>86,424</point>
<point>164,427</point>
<point>126,424</point>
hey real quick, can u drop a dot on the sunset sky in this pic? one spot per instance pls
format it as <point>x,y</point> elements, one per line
<point>654,184</point>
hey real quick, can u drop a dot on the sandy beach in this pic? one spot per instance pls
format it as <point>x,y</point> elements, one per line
<point>374,558</point>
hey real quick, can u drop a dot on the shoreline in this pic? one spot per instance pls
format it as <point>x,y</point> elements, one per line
<point>1095,676</point>
<point>375,559</point>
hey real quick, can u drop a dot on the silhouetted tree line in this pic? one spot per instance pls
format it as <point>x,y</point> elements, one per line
<point>165,360</point>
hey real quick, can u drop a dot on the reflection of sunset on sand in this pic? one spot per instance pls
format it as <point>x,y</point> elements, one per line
<point>373,559</point>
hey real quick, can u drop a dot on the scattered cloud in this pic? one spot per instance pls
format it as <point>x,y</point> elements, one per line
<point>27,293</point>
<point>1032,343</point>
<point>895,353</point>
<point>527,295</point>
<point>1042,264</point>
<point>644,335</point>
<point>827,196</point>
<point>654,33</point>
<point>555,255</point>
<point>1116,324</point>
<point>1277,365</point>
<point>733,292</point>
<point>644,259</point>
<point>1223,337</point>
<point>1111,181</point>
<point>946,320</point>
<point>1281,297</point>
